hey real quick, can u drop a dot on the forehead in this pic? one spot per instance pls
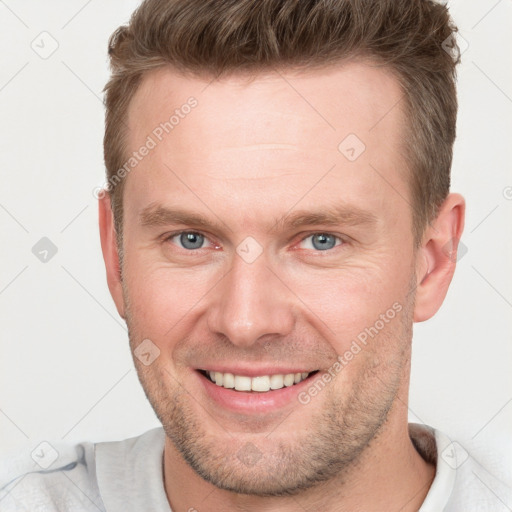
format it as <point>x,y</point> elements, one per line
<point>352,97</point>
<point>262,135</point>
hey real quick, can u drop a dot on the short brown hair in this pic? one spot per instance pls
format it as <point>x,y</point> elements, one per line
<point>413,38</point>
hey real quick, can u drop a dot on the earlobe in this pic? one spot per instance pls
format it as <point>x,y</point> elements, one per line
<point>110,252</point>
<point>437,257</point>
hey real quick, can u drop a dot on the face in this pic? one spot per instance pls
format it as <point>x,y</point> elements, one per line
<point>256,246</point>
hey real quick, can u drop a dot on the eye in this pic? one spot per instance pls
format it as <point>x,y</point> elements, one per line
<point>188,240</point>
<point>321,241</point>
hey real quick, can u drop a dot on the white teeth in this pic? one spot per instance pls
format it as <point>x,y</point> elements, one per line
<point>276,381</point>
<point>261,383</point>
<point>229,381</point>
<point>289,379</point>
<point>242,383</point>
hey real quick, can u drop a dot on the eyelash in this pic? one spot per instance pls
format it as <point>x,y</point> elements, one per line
<point>343,241</point>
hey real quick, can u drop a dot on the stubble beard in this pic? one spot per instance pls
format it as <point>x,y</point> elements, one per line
<point>273,464</point>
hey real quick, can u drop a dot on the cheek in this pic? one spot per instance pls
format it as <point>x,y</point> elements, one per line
<point>163,301</point>
<point>353,303</point>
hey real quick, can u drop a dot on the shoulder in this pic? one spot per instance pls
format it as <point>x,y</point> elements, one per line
<point>461,482</point>
<point>476,488</point>
<point>51,477</point>
<point>57,477</point>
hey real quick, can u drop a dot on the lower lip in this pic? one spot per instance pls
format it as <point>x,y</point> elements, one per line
<point>253,402</point>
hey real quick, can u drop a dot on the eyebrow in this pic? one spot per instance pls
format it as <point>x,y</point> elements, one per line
<point>341,215</point>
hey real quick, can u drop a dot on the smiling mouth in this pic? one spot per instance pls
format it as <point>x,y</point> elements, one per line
<point>259,384</point>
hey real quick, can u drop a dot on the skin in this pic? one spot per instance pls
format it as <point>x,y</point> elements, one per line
<point>251,152</point>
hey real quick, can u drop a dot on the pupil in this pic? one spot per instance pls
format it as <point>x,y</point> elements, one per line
<point>191,240</point>
<point>323,242</point>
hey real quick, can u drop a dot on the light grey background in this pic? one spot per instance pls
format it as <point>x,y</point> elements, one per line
<point>65,367</point>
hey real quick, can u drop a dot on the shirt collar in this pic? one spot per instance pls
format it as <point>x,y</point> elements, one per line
<point>130,473</point>
<point>430,443</point>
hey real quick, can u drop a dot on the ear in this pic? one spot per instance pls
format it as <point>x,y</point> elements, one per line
<point>110,252</point>
<point>437,257</point>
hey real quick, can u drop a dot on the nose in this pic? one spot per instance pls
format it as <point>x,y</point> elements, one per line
<point>251,302</point>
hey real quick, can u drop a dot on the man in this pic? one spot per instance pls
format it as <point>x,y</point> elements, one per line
<point>277,216</point>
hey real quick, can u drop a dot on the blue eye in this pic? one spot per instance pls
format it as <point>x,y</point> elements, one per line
<point>321,241</point>
<point>190,240</point>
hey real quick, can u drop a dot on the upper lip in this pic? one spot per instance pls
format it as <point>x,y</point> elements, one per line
<point>253,371</point>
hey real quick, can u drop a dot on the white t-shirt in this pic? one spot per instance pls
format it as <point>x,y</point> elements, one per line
<point>127,476</point>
